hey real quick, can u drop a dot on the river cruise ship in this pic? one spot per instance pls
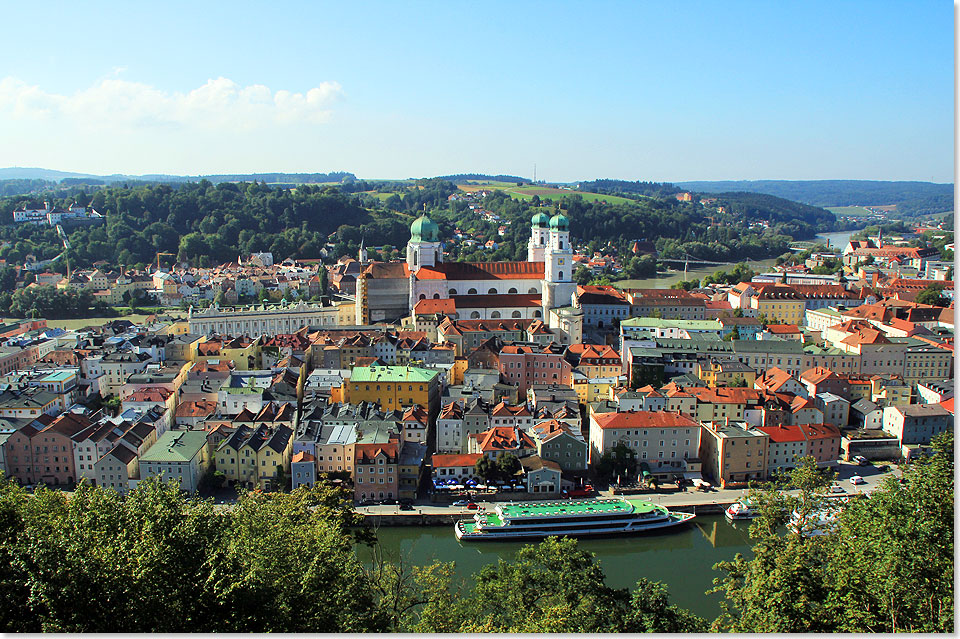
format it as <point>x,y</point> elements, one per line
<point>569,517</point>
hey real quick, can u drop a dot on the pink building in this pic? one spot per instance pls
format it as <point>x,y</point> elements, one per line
<point>376,473</point>
<point>528,364</point>
<point>43,452</point>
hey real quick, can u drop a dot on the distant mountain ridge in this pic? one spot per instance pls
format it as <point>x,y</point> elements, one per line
<point>24,173</point>
<point>914,194</point>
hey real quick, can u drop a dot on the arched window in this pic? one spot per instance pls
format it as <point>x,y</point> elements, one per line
<point>472,291</point>
<point>532,291</point>
<point>436,296</point>
<point>495,315</point>
<point>422,296</point>
<point>492,291</point>
<point>560,275</point>
<point>512,291</point>
<point>537,314</point>
<point>561,243</point>
<point>415,258</point>
<point>515,315</point>
<point>475,315</point>
<point>452,291</point>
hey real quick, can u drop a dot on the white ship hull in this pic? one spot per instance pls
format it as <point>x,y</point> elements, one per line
<point>586,530</point>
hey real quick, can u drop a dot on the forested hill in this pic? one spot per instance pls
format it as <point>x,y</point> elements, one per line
<point>911,198</point>
<point>463,178</point>
<point>625,188</point>
<point>207,223</point>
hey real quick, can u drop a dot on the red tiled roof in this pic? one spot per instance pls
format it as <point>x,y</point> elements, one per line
<point>483,271</point>
<point>429,307</point>
<point>201,408</point>
<point>948,405</point>
<point>150,394</point>
<point>511,300</point>
<point>454,461</point>
<point>783,329</point>
<point>303,456</point>
<point>644,419</point>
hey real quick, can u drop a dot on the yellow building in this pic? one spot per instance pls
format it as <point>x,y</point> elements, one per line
<point>890,391</point>
<point>779,303</point>
<point>395,387</point>
<point>726,373</point>
<point>460,366</point>
<point>254,457</point>
<point>597,389</point>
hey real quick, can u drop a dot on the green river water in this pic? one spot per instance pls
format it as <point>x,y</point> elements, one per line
<point>682,558</point>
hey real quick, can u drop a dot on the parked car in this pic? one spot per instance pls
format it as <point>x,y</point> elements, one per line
<point>462,502</point>
<point>837,488</point>
<point>406,506</point>
<point>366,502</point>
<point>857,479</point>
<point>883,468</point>
<point>861,460</point>
<point>473,506</point>
<point>389,502</point>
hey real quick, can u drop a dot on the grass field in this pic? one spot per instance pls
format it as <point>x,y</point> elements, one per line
<point>851,211</point>
<point>70,324</point>
<point>527,192</point>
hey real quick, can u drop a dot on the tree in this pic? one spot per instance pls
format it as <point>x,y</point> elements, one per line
<point>324,277</point>
<point>508,466</point>
<point>933,295</point>
<point>886,565</point>
<point>582,275</point>
<point>153,561</point>
<point>620,461</point>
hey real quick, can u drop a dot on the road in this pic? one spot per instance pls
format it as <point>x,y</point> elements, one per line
<point>870,475</point>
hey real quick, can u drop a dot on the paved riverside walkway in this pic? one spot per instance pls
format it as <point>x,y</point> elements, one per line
<point>680,499</point>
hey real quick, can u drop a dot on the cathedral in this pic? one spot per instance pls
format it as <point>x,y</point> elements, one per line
<point>495,290</point>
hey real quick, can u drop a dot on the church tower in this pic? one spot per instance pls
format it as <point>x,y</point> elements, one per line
<point>362,254</point>
<point>424,248</point>
<point>539,228</point>
<point>558,284</point>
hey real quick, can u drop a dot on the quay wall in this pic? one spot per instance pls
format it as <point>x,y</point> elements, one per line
<point>413,518</point>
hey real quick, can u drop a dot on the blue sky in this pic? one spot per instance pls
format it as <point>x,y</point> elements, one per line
<point>630,90</point>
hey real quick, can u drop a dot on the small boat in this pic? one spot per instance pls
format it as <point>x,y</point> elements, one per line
<point>570,517</point>
<point>740,510</point>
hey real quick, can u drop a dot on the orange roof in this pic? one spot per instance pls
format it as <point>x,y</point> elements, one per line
<point>501,409</point>
<point>644,419</point>
<point>504,438</point>
<point>773,379</point>
<point>454,461</point>
<point>498,301</point>
<point>948,405</point>
<point>303,456</point>
<point>429,307</point>
<point>150,394</point>
<point>483,271</point>
<point>201,408</point>
<point>817,374</point>
<point>783,329</point>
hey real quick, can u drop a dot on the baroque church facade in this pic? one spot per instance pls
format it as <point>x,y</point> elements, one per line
<point>494,290</point>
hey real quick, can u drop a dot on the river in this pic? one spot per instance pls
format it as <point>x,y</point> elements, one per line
<point>838,239</point>
<point>682,559</point>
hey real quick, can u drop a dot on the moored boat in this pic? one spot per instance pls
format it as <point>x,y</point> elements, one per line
<point>739,510</point>
<point>570,517</point>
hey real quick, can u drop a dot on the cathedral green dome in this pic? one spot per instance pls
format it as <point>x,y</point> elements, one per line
<point>540,221</point>
<point>560,222</point>
<point>424,229</point>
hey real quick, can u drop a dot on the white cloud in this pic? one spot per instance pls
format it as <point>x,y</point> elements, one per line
<point>116,105</point>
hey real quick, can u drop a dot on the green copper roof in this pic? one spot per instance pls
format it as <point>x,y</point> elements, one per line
<point>392,374</point>
<point>176,446</point>
<point>541,220</point>
<point>424,229</point>
<point>560,222</point>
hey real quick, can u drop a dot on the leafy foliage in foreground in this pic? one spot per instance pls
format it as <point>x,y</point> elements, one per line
<point>886,566</point>
<point>551,587</point>
<point>156,562</point>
